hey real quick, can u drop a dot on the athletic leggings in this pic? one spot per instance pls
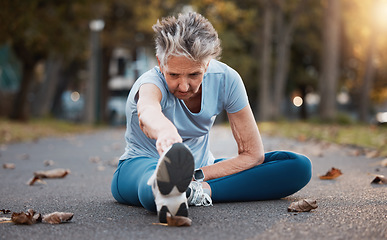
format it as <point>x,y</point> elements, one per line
<point>280,175</point>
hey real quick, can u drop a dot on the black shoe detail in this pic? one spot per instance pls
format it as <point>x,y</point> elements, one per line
<point>183,210</point>
<point>163,214</point>
<point>178,164</point>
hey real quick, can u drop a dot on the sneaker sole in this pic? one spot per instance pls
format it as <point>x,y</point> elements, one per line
<point>175,170</point>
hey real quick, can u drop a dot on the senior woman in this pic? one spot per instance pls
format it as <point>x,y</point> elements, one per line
<point>167,164</point>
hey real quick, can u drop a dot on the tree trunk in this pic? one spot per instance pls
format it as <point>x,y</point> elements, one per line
<point>20,111</point>
<point>93,87</point>
<point>105,92</point>
<point>264,108</point>
<point>284,42</point>
<point>282,64</point>
<point>364,109</point>
<point>330,61</point>
<point>46,92</point>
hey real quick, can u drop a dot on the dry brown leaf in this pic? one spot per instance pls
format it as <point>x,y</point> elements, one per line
<point>26,218</point>
<point>5,219</point>
<point>34,180</point>
<point>379,179</point>
<point>57,217</point>
<point>9,166</point>
<point>304,205</point>
<point>372,154</point>
<point>331,174</point>
<point>5,211</point>
<point>178,221</point>
<point>53,173</point>
<point>384,163</point>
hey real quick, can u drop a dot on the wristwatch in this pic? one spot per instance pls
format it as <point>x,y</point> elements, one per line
<point>198,175</point>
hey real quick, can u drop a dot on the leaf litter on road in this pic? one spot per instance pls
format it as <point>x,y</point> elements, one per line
<point>304,205</point>
<point>331,174</point>
<point>9,166</point>
<point>53,173</point>
<point>379,179</point>
<point>31,217</point>
<point>176,221</point>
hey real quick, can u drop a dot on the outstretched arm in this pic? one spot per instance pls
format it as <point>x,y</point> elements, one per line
<point>151,119</point>
<point>250,147</point>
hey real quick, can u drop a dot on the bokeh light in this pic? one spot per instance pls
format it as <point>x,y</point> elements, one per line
<point>298,101</point>
<point>75,96</point>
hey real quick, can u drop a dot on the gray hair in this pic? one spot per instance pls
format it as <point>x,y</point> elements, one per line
<point>190,35</point>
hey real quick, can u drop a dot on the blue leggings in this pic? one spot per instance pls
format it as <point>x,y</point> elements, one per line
<point>282,174</point>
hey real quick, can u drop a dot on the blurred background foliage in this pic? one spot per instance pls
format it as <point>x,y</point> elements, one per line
<point>299,59</point>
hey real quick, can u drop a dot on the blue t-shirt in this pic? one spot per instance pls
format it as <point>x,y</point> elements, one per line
<point>222,89</point>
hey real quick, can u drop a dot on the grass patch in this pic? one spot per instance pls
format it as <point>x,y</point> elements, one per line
<point>11,132</point>
<point>367,136</point>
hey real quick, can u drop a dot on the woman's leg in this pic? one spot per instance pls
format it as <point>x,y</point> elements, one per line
<point>129,184</point>
<point>282,174</point>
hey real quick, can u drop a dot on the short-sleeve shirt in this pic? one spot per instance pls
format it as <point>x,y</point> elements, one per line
<point>222,89</point>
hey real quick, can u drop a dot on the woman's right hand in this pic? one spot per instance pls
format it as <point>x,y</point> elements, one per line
<point>166,138</point>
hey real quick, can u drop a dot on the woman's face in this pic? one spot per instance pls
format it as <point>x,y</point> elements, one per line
<point>183,76</point>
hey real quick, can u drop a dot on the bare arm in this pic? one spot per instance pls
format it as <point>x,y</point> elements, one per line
<point>151,119</point>
<point>250,147</point>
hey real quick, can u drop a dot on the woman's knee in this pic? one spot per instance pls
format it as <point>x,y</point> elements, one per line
<point>302,168</point>
<point>297,165</point>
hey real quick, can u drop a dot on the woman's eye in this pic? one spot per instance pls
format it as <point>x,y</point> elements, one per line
<point>194,74</point>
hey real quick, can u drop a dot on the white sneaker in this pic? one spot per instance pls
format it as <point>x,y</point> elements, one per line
<point>170,181</point>
<point>196,195</point>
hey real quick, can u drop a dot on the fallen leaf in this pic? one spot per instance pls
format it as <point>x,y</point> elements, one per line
<point>304,205</point>
<point>57,217</point>
<point>9,166</point>
<point>178,221</point>
<point>5,219</point>
<point>5,211</point>
<point>53,173</point>
<point>331,174</point>
<point>372,154</point>
<point>34,180</point>
<point>384,163</point>
<point>26,218</point>
<point>161,224</point>
<point>379,179</point>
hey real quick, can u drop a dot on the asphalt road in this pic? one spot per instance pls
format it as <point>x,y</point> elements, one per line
<point>349,207</point>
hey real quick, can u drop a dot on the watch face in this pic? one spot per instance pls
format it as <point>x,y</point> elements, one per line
<point>199,175</point>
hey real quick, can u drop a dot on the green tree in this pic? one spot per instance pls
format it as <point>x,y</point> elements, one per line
<point>34,30</point>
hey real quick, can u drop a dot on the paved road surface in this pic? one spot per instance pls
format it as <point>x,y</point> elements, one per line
<point>348,207</point>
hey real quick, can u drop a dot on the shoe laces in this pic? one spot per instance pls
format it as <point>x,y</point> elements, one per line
<point>198,197</point>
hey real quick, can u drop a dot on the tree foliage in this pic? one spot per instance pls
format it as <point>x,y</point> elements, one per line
<point>38,30</point>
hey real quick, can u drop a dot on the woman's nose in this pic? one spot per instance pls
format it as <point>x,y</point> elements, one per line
<point>183,85</point>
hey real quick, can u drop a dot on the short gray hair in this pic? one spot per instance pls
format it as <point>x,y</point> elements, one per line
<point>190,35</point>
